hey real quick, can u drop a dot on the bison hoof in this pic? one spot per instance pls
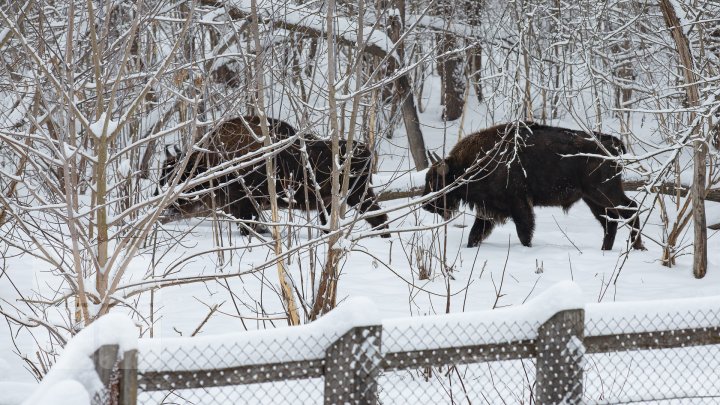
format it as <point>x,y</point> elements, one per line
<point>382,227</point>
<point>639,246</point>
<point>262,229</point>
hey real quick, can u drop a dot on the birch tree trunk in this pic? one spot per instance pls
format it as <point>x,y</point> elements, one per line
<point>324,300</point>
<point>285,288</point>
<point>682,46</point>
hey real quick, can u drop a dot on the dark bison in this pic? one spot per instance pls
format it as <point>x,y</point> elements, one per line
<point>504,171</point>
<point>302,174</point>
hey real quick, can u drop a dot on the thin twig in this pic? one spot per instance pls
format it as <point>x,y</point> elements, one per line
<point>566,237</point>
<point>207,317</point>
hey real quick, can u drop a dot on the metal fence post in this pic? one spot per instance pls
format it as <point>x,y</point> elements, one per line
<point>128,378</point>
<point>121,387</point>
<point>560,351</point>
<point>352,365</point>
<point>105,358</point>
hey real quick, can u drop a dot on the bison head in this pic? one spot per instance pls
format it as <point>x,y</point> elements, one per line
<point>439,176</point>
<point>182,207</point>
<point>168,167</point>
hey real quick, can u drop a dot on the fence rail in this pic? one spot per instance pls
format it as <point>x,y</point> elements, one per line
<point>666,339</point>
<point>558,348</point>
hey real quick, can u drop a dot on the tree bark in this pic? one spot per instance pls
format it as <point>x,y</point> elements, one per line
<point>325,299</point>
<point>285,287</point>
<point>412,123</point>
<point>452,79</point>
<point>682,45</point>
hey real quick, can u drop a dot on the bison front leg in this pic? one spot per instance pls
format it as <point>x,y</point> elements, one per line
<point>378,222</point>
<point>243,210</point>
<point>366,202</point>
<point>524,218</point>
<point>480,230</point>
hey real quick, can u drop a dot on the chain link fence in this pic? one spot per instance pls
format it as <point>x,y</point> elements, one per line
<point>653,354</point>
<point>538,353</point>
<point>249,370</point>
<point>444,363</point>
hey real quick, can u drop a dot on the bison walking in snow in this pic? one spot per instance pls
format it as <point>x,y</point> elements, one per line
<point>302,173</point>
<point>504,171</point>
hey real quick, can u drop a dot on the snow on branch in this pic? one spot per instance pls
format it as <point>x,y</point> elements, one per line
<point>310,22</point>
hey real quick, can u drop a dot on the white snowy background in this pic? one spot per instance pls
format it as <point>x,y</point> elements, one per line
<point>501,273</point>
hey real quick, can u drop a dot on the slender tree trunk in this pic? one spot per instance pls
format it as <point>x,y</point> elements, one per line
<point>285,288</point>
<point>101,152</point>
<point>404,94</point>
<point>328,278</point>
<point>682,45</point>
<point>474,56</point>
<point>412,123</point>
<point>452,79</point>
<point>556,68</point>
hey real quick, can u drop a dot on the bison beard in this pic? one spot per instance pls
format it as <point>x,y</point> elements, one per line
<point>244,193</point>
<point>505,171</point>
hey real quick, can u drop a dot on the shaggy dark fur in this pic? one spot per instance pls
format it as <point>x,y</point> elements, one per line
<point>504,171</point>
<point>244,192</point>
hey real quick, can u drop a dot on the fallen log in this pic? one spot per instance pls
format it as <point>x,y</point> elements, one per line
<point>632,185</point>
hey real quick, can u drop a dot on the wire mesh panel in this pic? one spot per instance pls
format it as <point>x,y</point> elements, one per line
<point>457,360</point>
<point>603,354</point>
<point>480,383</point>
<point>683,375</point>
<point>243,368</point>
<point>647,355</point>
<point>303,391</point>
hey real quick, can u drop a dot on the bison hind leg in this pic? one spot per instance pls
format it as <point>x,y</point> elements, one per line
<point>524,218</point>
<point>480,230</point>
<point>632,214</point>
<point>607,218</point>
<point>379,223</point>
<point>617,204</point>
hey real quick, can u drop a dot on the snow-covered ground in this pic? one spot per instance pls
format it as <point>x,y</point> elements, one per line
<point>499,273</point>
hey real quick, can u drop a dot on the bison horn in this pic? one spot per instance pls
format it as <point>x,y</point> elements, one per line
<point>437,158</point>
<point>431,157</point>
<point>177,150</point>
<point>167,152</point>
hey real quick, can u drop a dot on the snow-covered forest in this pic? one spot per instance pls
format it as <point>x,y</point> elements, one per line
<point>98,97</point>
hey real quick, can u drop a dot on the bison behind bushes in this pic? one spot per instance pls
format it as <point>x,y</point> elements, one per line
<point>302,173</point>
<point>504,171</point>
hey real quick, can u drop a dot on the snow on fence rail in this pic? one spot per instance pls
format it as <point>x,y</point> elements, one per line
<point>552,350</point>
